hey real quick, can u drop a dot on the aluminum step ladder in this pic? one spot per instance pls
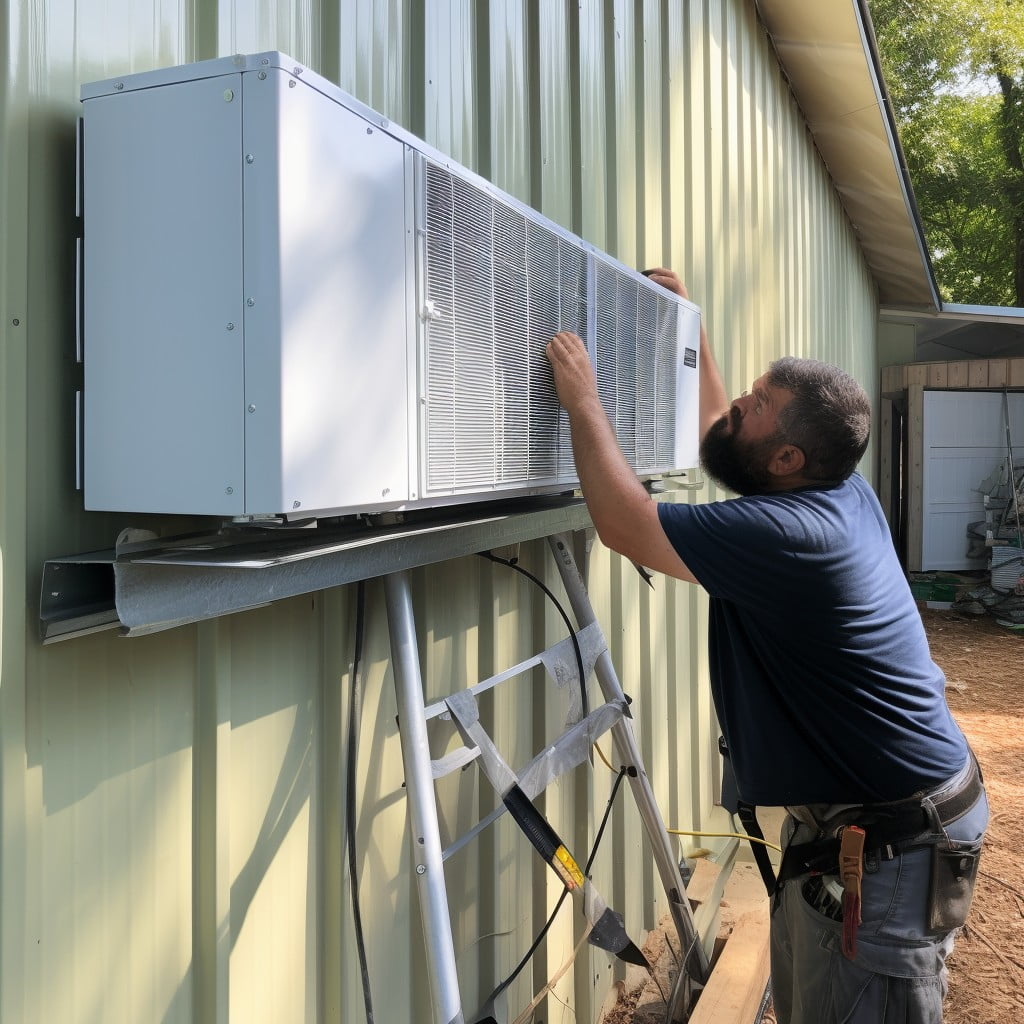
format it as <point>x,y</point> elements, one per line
<point>571,748</point>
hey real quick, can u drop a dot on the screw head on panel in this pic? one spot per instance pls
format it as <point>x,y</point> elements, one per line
<point>266,60</point>
<point>229,490</point>
<point>231,327</point>
<point>369,131</point>
<point>296,504</point>
<point>291,83</point>
<point>250,301</point>
<point>249,158</point>
<point>252,408</point>
<point>421,869</point>
<point>229,95</point>
<point>119,86</point>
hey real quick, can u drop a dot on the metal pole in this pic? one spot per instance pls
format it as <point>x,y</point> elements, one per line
<point>622,732</point>
<point>419,782</point>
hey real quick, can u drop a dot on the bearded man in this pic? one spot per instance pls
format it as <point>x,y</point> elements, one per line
<point>824,686</point>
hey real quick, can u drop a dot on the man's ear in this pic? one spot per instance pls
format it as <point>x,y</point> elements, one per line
<point>787,460</point>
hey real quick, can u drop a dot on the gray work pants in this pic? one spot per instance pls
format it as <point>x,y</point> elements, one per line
<point>898,975</point>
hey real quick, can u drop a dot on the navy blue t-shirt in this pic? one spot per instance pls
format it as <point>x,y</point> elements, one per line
<point>820,670</point>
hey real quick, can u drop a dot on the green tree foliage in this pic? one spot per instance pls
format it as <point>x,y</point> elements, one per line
<point>954,70</point>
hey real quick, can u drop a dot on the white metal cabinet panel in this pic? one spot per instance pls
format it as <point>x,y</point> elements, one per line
<point>326,336</point>
<point>162,273</point>
<point>964,441</point>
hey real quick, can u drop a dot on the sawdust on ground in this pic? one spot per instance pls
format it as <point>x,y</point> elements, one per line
<point>984,666</point>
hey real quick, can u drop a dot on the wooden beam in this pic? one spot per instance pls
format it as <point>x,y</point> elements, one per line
<point>977,373</point>
<point>892,379</point>
<point>958,376</point>
<point>737,984</point>
<point>917,374</point>
<point>998,373</point>
<point>938,375</point>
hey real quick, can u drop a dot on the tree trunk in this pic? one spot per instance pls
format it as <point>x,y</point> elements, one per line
<point>1011,130</point>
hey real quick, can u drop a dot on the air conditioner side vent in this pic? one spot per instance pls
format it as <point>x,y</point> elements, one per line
<point>635,363</point>
<point>497,287</point>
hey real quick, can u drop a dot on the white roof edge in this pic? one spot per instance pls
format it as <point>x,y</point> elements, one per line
<point>826,50</point>
<point>959,311</point>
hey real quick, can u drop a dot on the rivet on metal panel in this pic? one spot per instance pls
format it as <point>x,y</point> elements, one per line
<point>229,490</point>
<point>229,95</point>
<point>266,60</point>
<point>252,408</point>
<point>297,71</point>
<point>16,322</point>
<point>369,131</point>
<point>262,75</point>
<point>231,327</point>
<point>296,504</point>
<point>119,86</point>
<point>250,301</point>
<point>421,869</point>
<point>291,83</point>
<point>249,158</point>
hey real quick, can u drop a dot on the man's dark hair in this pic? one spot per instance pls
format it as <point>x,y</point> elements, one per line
<point>829,418</point>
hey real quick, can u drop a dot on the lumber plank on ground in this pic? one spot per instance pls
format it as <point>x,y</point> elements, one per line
<point>737,983</point>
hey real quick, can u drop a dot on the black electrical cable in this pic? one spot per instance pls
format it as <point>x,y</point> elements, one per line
<point>565,892</point>
<point>513,564</point>
<point>354,713</point>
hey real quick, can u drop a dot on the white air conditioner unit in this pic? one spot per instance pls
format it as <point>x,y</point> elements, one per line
<point>291,307</point>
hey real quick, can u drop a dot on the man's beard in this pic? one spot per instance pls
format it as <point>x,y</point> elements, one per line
<point>741,467</point>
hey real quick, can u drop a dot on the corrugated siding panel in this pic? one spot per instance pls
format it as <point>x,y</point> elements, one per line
<point>173,806</point>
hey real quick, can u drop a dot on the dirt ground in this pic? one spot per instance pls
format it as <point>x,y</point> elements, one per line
<point>984,666</point>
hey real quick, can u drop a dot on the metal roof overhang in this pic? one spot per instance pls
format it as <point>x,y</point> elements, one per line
<point>827,52</point>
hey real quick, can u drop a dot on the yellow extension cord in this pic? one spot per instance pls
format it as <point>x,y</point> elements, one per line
<point>708,835</point>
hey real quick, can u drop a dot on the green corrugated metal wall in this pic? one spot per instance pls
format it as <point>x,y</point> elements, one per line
<point>171,820</point>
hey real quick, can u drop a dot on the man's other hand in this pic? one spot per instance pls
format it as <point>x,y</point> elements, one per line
<point>667,279</point>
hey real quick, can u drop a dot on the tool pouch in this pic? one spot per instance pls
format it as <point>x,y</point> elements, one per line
<point>952,886</point>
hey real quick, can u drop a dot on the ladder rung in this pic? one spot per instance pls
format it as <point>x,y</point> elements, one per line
<point>591,641</point>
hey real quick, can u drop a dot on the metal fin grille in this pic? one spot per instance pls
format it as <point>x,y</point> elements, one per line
<point>498,286</point>
<point>636,352</point>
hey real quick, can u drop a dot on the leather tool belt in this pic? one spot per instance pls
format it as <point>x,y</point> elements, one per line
<point>889,829</point>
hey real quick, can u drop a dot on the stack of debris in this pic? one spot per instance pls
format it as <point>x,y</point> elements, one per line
<point>1000,535</point>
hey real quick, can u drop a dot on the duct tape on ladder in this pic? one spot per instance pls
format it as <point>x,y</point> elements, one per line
<point>607,930</point>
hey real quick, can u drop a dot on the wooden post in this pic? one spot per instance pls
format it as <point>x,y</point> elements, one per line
<point>885,458</point>
<point>915,477</point>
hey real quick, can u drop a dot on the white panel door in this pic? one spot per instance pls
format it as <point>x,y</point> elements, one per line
<point>964,441</point>
<point>163,299</point>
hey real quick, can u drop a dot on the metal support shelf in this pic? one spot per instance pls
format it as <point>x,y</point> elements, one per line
<point>159,584</point>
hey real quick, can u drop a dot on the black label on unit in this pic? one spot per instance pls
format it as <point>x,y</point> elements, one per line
<point>690,357</point>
